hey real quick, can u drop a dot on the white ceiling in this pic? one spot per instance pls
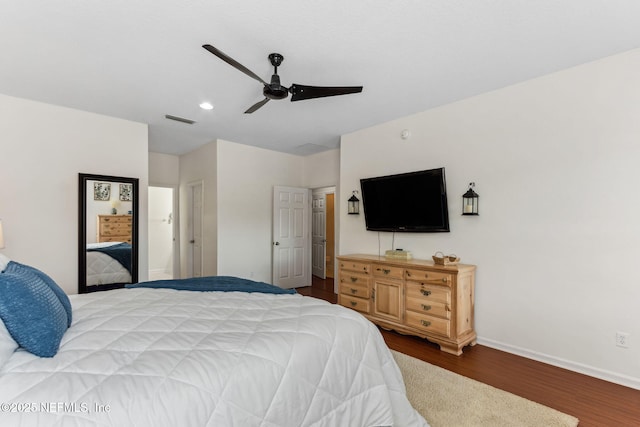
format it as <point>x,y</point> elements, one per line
<point>142,59</point>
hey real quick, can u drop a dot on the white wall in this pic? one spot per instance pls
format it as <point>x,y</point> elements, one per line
<point>164,170</point>
<point>44,147</point>
<point>246,177</point>
<point>321,169</point>
<point>238,181</point>
<point>557,240</point>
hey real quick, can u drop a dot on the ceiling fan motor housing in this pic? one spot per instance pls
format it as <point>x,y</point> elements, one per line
<point>275,90</point>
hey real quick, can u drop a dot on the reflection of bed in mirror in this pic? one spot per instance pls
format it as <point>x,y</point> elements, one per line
<point>108,263</point>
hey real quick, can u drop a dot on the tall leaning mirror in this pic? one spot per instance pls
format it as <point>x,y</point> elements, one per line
<point>107,232</point>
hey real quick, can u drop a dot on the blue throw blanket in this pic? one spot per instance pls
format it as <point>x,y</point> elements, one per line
<point>120,252</point>
<point>214,283</point>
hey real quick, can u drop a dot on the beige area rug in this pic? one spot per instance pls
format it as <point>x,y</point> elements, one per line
<point>446,399</point>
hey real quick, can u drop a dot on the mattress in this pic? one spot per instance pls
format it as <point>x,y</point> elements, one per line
<point>162,357</point>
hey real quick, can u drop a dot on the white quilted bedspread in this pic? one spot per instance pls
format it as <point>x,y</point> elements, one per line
<point>160,357</point>
<point>102,269</point>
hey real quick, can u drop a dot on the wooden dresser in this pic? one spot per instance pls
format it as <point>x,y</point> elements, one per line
<point>414,297</point>
<point>114,228</point>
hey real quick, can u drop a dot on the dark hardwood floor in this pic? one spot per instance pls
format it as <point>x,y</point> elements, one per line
<point>594,402</point>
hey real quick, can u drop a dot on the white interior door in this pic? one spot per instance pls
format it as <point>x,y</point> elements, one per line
<point>194,230</point>
<point>318,235</point>
<point>291,237</point>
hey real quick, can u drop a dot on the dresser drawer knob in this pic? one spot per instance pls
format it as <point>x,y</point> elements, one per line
<point>426,307</point>
<point>444,279</point>
<point>425,322</point>
<point>353,303</point>
<point>425,292</point>
<point>354,279</point>
<point>354,291</point>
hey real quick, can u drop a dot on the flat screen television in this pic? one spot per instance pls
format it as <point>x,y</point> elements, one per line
<point>410,202</point>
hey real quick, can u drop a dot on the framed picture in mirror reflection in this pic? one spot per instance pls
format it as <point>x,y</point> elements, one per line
<point>101,191</point>
<point>126,192</point>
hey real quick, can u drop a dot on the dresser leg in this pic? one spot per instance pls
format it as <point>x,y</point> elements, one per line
<point>451,349</point>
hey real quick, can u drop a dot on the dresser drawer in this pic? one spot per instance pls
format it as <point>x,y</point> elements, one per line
<point>429,276</point>
<point>116,219</point>
<point>425,306</point>
<point>387,271</point>
<point>360,267</point>
<point>125,239</point>
<point>429,307</point>
<point>111,229</point>
<point>354,290</point>
<point>428,293</point>
<point>349,278</point>
<point>429,324</point>
<point>358,304</point>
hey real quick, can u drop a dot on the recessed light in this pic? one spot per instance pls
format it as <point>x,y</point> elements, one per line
<point>206,106</point>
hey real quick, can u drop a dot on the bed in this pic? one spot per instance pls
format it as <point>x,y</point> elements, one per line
<point>107,263</point>
<point>166,357</point>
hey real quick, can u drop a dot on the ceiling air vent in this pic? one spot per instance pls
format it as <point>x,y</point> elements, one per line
<point>179,119</point>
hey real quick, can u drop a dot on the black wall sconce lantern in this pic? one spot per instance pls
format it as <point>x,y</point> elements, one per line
<point>470,201</point>
<point>354,204</point>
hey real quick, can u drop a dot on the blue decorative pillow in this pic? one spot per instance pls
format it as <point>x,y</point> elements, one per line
<point>32,312</point>
<point>16,267</point>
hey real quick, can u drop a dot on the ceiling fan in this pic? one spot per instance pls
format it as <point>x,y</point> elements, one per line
<point>275,90</point>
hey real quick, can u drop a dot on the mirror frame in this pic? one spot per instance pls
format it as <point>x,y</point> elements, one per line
<point>83,179</point>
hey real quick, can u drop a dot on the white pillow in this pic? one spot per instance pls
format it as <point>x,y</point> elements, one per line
<point>3,262</point>
<point>7,344</point>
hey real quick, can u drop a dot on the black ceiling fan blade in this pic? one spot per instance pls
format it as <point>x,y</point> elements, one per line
<point>301,92</point>
<point>257,105</point>
<point>229,60</point>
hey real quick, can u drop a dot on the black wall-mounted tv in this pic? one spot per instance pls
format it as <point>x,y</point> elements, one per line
<point>411,202</point>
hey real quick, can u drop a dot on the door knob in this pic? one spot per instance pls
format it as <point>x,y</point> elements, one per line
<point>276,243</point>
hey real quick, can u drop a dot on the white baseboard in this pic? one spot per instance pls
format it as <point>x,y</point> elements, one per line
<point>602,374</point>
<point>159,273</point>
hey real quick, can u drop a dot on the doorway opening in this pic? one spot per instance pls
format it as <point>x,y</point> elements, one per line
<point>161,233</point>
<point>323,232</point>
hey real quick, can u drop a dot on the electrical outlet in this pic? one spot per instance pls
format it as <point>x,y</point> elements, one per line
<point>622,339</point>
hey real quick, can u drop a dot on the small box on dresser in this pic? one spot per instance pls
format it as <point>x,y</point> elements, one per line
<point>415,297</point>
